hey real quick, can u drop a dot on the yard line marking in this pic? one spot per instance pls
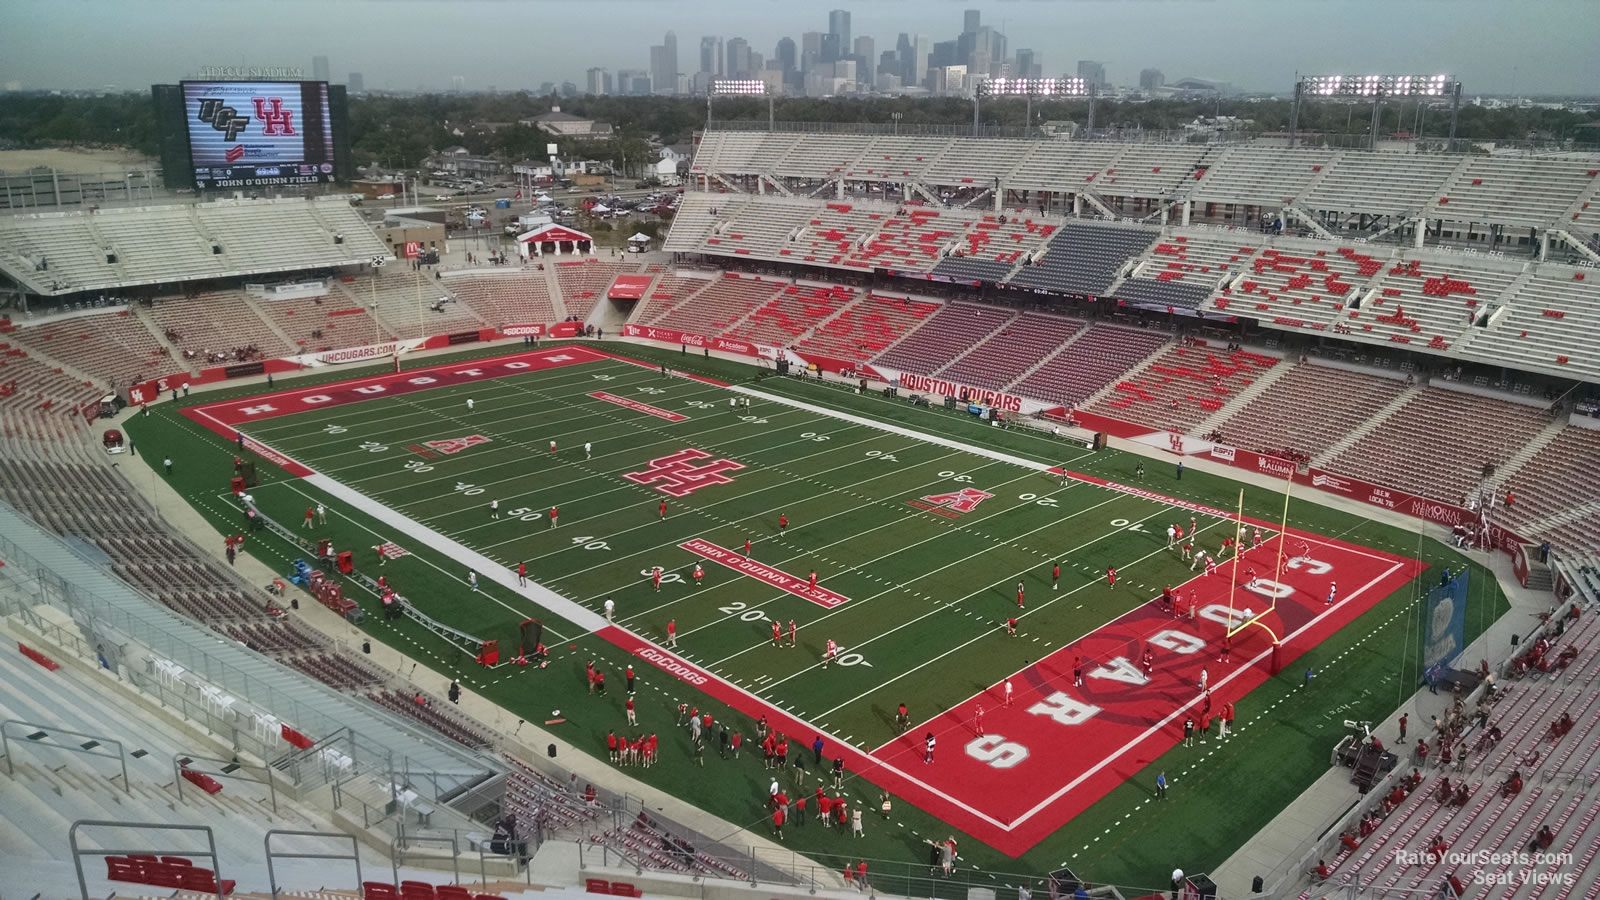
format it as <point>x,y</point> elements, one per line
<point>897,551</point>
<point>808,524</point>
<point>952,604</point>
<point>701,510</point>
<point>765,512</point>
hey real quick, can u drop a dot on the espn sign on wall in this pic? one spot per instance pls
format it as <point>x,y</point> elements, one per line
<point>248,133</point>
<point>924,384</point>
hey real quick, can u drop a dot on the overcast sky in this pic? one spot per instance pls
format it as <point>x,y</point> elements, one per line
<point>1493,46</point>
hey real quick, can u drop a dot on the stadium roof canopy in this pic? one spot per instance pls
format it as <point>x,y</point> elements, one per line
<point>65,253</point>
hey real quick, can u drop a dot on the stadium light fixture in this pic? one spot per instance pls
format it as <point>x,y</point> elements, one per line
<point>1029,88</point>
<point>739,87</point>
<point>1376,88</point>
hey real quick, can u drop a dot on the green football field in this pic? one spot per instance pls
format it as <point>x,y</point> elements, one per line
<point>915,590</point>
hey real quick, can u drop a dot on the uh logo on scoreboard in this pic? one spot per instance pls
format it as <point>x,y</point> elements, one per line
<point>275,120</point>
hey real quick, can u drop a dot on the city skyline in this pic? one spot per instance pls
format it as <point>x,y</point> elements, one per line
<point>1537,49</point>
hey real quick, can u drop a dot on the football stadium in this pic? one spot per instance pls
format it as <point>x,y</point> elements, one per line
<point>929,515</point>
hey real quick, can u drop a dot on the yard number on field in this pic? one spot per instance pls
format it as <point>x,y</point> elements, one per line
<point>417,466</point>
<point>886,457</point>
<point>335,429</point>
<point>589,543</point>
<point>373,447</point>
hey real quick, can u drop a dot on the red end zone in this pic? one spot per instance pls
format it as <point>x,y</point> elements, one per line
<point>226,416</point>
<point>1058,748</point>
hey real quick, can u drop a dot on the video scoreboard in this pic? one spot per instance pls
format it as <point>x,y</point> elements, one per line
<point>244,134</point>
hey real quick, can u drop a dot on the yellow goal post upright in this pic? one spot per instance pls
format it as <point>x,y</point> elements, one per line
<point>1252,618</point>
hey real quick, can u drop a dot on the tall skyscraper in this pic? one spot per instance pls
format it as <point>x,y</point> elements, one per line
<point>866,56</point>
<point>633,83</point>
<point>711,55</point>
<point>917,71</point>
<point>839,25</point>
<point>1092,73</point>
<point>1028,64</point>
<point>597,81</point>
<point>356,83</point>
<point>811,42</point>
<point>738,52</point>
<point>788,58</point>
<point>1150,79</point>
<point>458,83</point>
<point>970,21</point>
<point>664,64</point>
<point>319,68</point>
<point>831,50</point>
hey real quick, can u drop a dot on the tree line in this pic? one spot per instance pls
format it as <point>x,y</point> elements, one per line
<point>398,132</point>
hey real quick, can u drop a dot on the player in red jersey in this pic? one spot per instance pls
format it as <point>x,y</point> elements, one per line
<point>553,514</point>
<point>1011,627</point>
<point>830,654</point>
<point>977,720</point>
<point>1111,576</point>
<point>311,514</point>
<point>783,521</point>
<point>777,634</point>
<point>699,573</point>
<point>655,575</point>
<point>522,574</point>
<point>1019,595</point>
<point>663,510</point>
<point>746,546</point>
<point>1211,567</point>
<point>1055,576</point>
<point>1250,576</point>
<point>672,633</point>
<point>1148,661</point>
<point>1256,543</point>
<point>813,585</point>
<point>792,632</point>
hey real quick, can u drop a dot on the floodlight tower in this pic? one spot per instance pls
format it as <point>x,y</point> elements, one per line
<point>1029,88</point>
<point>739,87</point>
<point>1378,88</point>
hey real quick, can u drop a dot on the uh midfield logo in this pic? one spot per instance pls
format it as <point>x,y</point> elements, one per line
<point>275,120</point>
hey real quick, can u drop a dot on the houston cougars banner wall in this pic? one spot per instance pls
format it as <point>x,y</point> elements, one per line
<point>940,387</point>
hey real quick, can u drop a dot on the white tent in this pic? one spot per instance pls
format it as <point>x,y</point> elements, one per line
<point>639,243</point>
<point>600,209</point>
